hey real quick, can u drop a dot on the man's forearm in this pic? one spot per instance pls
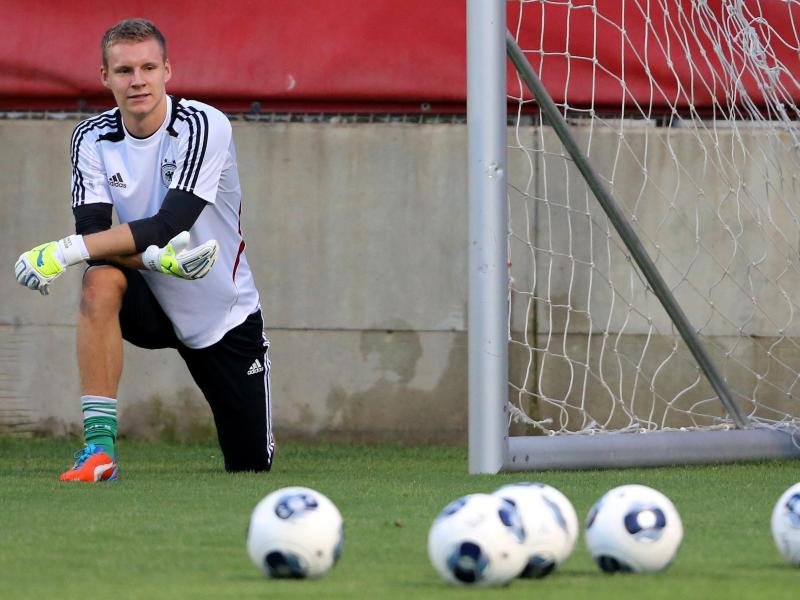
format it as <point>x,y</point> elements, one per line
<point>132,261</point>
<point>115,243</point>
<point>39,267</point>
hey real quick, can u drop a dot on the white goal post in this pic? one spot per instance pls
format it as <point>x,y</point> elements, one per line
<point>633,246</point>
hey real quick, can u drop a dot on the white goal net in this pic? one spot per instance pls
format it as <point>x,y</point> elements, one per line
<point>687,110</point>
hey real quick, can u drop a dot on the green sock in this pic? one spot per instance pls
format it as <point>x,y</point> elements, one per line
<point>100,422</point>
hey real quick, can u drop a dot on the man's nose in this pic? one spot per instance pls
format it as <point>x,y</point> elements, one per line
<point>137,77</point>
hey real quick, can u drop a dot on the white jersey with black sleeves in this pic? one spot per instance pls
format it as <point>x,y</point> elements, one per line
<point>192,151</point>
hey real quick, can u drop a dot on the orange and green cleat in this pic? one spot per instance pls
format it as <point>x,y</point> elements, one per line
<point>92,464</point>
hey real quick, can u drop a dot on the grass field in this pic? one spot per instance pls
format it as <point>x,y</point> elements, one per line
<point>174,525</point>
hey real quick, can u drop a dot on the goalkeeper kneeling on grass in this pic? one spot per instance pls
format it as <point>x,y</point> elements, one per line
<point>173,273</point>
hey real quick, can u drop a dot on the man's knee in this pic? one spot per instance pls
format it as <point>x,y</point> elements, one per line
<point>103,289</point>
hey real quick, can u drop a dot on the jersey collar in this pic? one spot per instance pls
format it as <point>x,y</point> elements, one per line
<point>131,139</point>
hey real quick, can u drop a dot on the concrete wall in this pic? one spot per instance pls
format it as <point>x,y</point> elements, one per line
<point>717,211</point>
<point>357,236</point>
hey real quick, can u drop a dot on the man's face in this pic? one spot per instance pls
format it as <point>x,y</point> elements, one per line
<point>137,75</point>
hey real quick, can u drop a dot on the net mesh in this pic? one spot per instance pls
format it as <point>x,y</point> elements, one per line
<point>688,112</point>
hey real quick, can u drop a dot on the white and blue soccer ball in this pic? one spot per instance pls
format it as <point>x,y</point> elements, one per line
<point>295,533</point>
<point>478,540</point>
<point>550,522</point>
<point>633,528</point>
<point>786,525</point>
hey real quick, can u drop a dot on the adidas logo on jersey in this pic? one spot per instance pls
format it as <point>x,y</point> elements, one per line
<point>116,181</point>
<point>256,367</point>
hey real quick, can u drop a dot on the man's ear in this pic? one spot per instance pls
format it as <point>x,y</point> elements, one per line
<point>103,76</point>
<point>167,71</point>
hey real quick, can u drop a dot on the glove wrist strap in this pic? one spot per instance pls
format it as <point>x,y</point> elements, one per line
<point>151,258</point>
<point>71,250</point>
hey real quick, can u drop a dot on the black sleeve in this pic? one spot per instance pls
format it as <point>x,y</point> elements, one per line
<point>91,218</point>
<point>178,213</point>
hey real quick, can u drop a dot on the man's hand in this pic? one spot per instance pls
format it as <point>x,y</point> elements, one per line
<point>36,268</point>
<point>177,259</point>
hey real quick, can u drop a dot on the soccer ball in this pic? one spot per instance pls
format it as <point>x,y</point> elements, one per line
<point>295,532</point>
<point>554,496</point>
<point>786,525</point>
<point>479,540</point>
<point>633,528</point>
<point>550,522</point>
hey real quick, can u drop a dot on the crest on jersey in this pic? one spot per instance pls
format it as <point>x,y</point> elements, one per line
<point>167,170</point>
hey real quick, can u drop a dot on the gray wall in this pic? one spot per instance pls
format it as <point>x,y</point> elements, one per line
<point>717,210</point>
<point>357,236</point>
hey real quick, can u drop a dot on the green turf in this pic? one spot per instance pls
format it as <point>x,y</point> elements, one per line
<point>174,526</point>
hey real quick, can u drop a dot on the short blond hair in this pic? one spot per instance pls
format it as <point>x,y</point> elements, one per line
<point>132,30</point>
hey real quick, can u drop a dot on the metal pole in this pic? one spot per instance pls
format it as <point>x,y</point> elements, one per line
<point>626,232</point>
<point>488,226</point>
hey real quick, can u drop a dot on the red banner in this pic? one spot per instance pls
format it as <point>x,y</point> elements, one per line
<point>699,56</point>
<point>281,53</point>
<point>388,55</point>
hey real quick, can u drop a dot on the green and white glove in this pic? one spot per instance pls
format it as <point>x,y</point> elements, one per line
<point>38,267</point>
<point>178,260</point>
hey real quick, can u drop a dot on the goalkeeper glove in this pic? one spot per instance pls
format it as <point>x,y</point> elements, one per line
<point>39,266</point>
<point>177,259</point>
